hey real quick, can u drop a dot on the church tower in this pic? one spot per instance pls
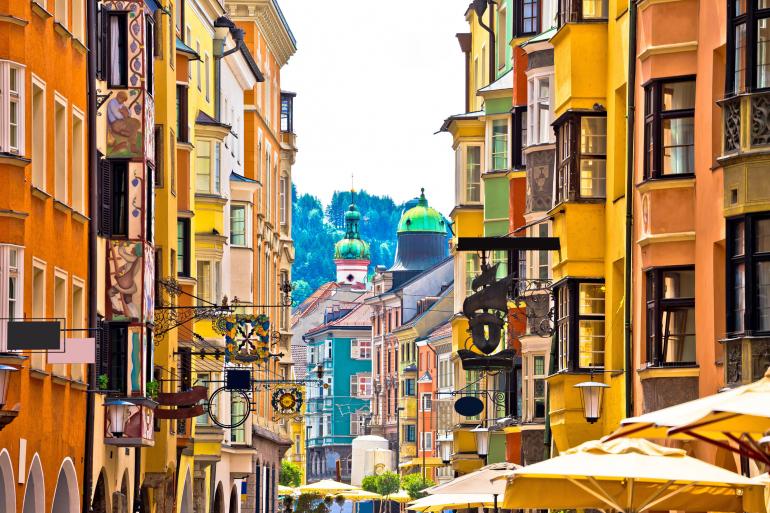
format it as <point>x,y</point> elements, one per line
<point>351,254</point>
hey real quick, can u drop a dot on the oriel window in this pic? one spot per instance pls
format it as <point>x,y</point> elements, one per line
<point>671,316</point>
<point>581,157</point>
<point>748,46</point>
<point>669,128</point>
<point>748,275</point>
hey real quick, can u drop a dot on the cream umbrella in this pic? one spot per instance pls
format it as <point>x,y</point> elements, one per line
<point>326,487</point>
<point>285,490</point>
<point>401,496</point>
<point>486,479</point>
<point>361,495</point>
<point>630,475</point>
<point>440,502</point>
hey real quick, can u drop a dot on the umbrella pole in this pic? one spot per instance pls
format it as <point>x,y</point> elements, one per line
<point>495,497</point>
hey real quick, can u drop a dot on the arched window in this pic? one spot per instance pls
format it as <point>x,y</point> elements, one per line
<point>66,495</point>
<point>34,493</point>
<point>7,492</point>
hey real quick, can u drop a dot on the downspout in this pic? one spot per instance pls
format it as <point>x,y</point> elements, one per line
<point>137,483</point>
<point>491,30</point>
<point>630,118</point>
<point>547,435</point>
<point>93,199</point>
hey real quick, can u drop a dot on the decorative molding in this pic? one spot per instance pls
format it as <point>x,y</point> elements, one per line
<point>657,238</point>
<point>687,46</point>
<point>665,184</point>
<point>40,194</point>
<point>14,160</point>
<point>13,20</point>
<point>668,372</point>
<point>16,214</point>
<point>40,10</point>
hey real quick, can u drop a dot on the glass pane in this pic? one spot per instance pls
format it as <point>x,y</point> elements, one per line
<point>591,298</point>
<point>739,238</point>
<point>761,4</point>
<point>762,235</point>
<point>500,144</point>
<point>593,135</point>
<point>594,9</point>
<point>739,296</point>
<point>763,53</point>
<point>678,284</point>
<point>678,335</point>
<point>763,295</point>
<point>592,178</point>
<point>539,366</point>
<point>739,74</point>
<point>473,173</point>
<point>740,6</point>
<point>591,343</point>
<point>679,95</point>
<point>678,146</point>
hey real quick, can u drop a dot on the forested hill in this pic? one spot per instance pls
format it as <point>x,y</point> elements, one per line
<point>316,229</point>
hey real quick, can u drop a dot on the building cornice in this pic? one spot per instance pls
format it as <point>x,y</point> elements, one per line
<point>271,25</point>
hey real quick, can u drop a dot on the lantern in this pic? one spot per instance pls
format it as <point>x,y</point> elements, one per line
<point>445,451</point>
<point>591,396</point>
<point>482,440</point>
<point>117,412</point>
<point>5,379</point>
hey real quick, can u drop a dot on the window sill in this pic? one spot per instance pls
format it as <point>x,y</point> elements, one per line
<point>184,145</point>
<point>186,280</point>
<point>679,371</point>
<point>78,385</point>
<point>667,182</point>
<point>61,206</point>
<point>14,20</point>
<point>14,160</point>
<point>62,30</point>
<point>40,10</point>
<point>60,380</point>
<point>79,45</point>
<point>40,194</point>
<point>79,217</point>
<point>247,248</point>
<point>38,374</point>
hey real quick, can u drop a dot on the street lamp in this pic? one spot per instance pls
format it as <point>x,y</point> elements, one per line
<point>591,396</point>
<point>5,379</point>
<point>445,451</point>
<point>117,412</point>
<point>482,440</point>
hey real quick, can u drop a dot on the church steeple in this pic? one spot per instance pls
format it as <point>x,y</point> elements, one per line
<point>351,254</point>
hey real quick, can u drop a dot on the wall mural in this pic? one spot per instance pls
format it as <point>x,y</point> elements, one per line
<point>124,124</point>
<point>148,304</point>
<point>125,280</point>
<point>136,192</point>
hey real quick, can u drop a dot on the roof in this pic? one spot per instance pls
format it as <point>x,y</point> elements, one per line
<point>285,24</point>
<point>543,36</point>
<point>235,177</point>
<point>456,117</point>
<point>204,119</point>
<point>433,306</point>
<point>357,317</point>
<point>441,331</point>
<point>252,64</point>
<point>501,84</point>
<point>422,218</point>
<point>186,50</point>
<point>312,301</point>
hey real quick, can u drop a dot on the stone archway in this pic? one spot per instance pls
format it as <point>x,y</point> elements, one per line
<point>99,503</point>
<point>187,495</point>
<point>219,500</point>
<point>233,500</point>
<point>66,496</point>
<point>34,492</point>
<point>7,491</point>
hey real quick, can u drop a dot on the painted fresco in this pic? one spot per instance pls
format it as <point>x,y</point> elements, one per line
<point>136,187</point>
<point>148,306</point>
<point>125,280</point>
<point>137,428</point>
<point>124,112</point>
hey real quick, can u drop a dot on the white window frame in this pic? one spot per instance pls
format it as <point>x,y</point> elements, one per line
<point>426,401</point>
<point>41,181</point>
<point>246,225</point>
<point>461,170</point>
<point>11,268</point>
<point>60,101</point>
<point>491,144</point>
<point>78,176</point>
<point>61,12</point>
<point>38,359</point>
<point>78,20</point>
<point>7,98</point>
<point>327,350</point>
<point>535,129</point>
<point>426,441</point>
<point>284,219</point>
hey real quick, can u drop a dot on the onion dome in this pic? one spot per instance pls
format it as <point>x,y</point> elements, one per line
<point>422,219</point>
<point>352,247</point>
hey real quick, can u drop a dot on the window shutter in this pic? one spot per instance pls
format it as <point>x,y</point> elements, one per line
<point>103,349</point>
<point>101,43</point>
<point>354,350</point>
<point>185,368</point>
<point>105,197</point>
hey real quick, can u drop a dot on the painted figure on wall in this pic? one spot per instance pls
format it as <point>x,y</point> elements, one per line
<point>125,280</point>
<point>124,133</point>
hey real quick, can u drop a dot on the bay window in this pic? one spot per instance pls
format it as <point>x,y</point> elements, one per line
<point>748,275</point>
<point>499,146</point>
<point>519,138</point>
<point>208,167</point>
<point>576,11</point>
<point>534,374</point>
<point>580,324</point>
<point>581,144</point>
<point>669,128</point>
<point>539,94</point>
<point>748,46</point>
<point>671,316</point>
<point>183,247</point>
<point>472,173</point>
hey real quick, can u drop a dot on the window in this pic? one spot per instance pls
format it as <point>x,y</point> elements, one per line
<point>472,268</point>
<point>207,72</point>
<point>238,225</point>
<point>669,128</point>
<point>581,157</point>
<point>182,127</point>
<point>328,349</point>
<point>78,20</point>
<point>172,160</point>
<point>198,66</point>
<point>238,408</point>
<point>357,423</point>
<point>528,17</point>
<point>748,46</point>
<point>11,287</point>
<point>207,170</point>
<point>11,108</point>
<point>502,37</point>
<point>519,138</point>
<point>60,311</point>
<point>38,135</point>
<point>209,277</point>
<point>117,50</point>
<point>77,162</point>
<point>283,205</point>
<point>361,385</point>
<point>426,442</point>
<point>574,11</point>
<point>671,316</point>
<point>361,348</point>
<point>61,12</point>
<point>268,184</point>
<point>78,320</point>
<point>116,172</point>
<point>748,275</point>
<point>539,375</point>
<point>410,433</point>
<point>539,116</point>
<point>580,324</point>
<point>149,204</point>
<point>445,372</point>
<point>426,401</point>
<point>409,387</point>
<point>472,174</point>
<point>499,155</point>
<point>60,149</point>
<point>183,247</point>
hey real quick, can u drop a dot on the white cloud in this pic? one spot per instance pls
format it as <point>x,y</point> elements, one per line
<point>374,81</point>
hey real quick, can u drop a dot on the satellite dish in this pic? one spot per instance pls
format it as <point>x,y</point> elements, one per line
<point>469,406</point>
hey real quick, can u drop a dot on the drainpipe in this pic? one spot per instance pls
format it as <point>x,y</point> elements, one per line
<point>137,480</point>
<point>480,7</point>
<point>93,199</point>
<point>630,118</point>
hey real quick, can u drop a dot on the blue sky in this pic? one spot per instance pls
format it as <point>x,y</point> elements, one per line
<point>374,81</point>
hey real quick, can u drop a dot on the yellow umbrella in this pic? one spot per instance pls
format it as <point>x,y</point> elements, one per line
<point>361,495</point>
<point>401,496</point>
<point>630,475</point>
<point>285,490</point>
<point>440,502</point>
<point>326,487</point>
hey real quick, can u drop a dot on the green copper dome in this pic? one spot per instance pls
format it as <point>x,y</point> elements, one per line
<point>352,247</point>
<point>422,218</point>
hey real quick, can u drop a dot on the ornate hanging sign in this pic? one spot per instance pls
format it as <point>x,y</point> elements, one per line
<point>247,337</point>
<point>287,402</point>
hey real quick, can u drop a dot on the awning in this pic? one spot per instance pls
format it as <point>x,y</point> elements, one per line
<point>501,84</point>
<point>430,461</point>
<point>186,50</point>
<point>441,502</point>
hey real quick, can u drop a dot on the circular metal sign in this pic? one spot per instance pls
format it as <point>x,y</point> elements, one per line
<point>469,406</point>
<point>240,408</point>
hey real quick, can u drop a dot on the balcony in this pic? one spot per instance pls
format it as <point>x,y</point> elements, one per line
<point>135,417</point>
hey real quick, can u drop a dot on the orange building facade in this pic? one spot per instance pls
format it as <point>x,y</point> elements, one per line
<point>43,143</point>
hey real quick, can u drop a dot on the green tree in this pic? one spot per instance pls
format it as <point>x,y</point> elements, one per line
<point>415,485</point>
<point>290,475</point>
<point>370,483</point>
<point>310,503</point>
<point>388,483</point>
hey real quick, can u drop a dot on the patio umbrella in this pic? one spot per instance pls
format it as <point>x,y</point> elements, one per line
<point>401,496</point>
<point>440,502</point>
<point>285,490</point>
<point>326,487</point>
<point>630,475</point>
<point>361,495</point>
<point>486,479</point>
